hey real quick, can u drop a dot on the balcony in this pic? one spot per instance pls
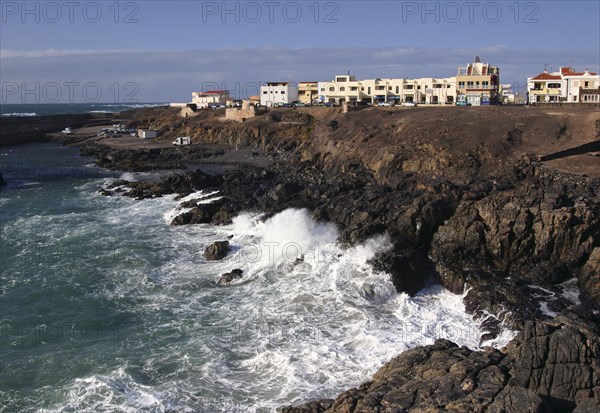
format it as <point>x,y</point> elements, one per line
<point>479,87</point>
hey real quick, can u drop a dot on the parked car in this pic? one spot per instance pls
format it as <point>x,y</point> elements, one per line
<point>411,104</point>
<point>384,104</point>
<point>463,103</point>
<point>300,104</point>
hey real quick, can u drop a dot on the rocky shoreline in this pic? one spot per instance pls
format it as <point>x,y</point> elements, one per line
<point>467,203</point>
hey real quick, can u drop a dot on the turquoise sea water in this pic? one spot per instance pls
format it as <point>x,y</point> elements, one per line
<point>105,307</point>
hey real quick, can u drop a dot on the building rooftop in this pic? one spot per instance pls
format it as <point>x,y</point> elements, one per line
<point>213,92</point>
<point>546,76</point>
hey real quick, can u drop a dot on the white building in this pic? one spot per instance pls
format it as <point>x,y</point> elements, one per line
<point>278,93</point>
<point>430,90</point>
<point>565,86</point>
<point>578,82</point>
<point>212,97</point>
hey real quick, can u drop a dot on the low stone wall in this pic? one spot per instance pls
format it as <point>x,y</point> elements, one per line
<point>240,115</point>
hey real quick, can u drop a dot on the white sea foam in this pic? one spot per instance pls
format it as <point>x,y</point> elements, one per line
<point>287,332</point>
<point>571,291</point>
<point>20,114</point>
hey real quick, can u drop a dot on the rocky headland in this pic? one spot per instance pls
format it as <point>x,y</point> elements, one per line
<point>503,201</point>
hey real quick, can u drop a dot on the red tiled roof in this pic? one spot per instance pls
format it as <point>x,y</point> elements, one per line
<point>568,71</point>
<point>546,76</point>
<point>579,74</point>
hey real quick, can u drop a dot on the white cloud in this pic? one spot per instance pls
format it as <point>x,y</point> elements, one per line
<point>173,75</point>
<point>33,54</point>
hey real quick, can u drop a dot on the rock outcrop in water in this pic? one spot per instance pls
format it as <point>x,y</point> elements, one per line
<point>229,277</point>
<point>465,202</point>
<point>216,251</point>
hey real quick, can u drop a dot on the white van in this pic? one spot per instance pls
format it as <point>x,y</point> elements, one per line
<point>184,140</point>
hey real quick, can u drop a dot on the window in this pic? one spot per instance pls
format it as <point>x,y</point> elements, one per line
<point>354,88</point>
<point>342,89</point>
<point>379,87</point>
<point>283,92</point>
<point>461,84</point>
<point>331,89</point>
<point>362,89</point>
<point>587,84</point>
<point>397,89</point>
<point>408,87</point>
<point>389,88</point>
<point>265,92</point>
<point>322,89</point>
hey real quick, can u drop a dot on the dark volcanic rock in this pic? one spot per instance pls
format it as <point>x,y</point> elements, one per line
<point>216,251</point>
<point>410,269</point>
<point>559,359</point>
<point>589,278</point>
<point>229,277</point>
<point>541,232</point>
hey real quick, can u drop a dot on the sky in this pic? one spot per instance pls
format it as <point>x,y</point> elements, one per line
<point>161,51</point>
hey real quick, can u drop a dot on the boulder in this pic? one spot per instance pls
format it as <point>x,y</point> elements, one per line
<point>216,251</point>
<point>229,277</point>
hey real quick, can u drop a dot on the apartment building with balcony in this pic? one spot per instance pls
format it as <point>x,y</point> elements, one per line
<point>308,92</point>
<point>278,93</point>
<point>478,83</point>
<point>546,88</point>
<point>564,86</point>
<point>345,88</point>
<point>582,87</point>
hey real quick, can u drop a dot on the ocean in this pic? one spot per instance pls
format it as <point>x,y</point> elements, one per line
<point>105,307</point>
<point>44,109</point>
